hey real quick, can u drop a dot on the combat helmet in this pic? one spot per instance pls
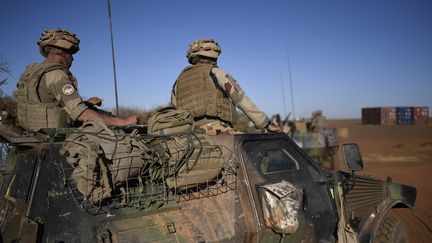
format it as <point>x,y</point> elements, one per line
<point>204,47</point>
<point>317,113</point>
<point>59,38</point>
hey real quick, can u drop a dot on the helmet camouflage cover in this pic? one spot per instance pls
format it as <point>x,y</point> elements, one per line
<point>204,47</point>
<point>317,113</point>
<point>59,38</point>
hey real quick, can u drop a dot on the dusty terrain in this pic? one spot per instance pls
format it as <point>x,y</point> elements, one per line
<point>405,154</point>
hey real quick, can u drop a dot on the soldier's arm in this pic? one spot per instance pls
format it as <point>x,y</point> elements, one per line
<point>94,101</point>
<point>90,114</point>
<point>68,97</point>
<point>65,93</point>
<point>233,90</point>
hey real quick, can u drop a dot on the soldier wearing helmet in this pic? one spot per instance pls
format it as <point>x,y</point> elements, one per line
<point>47,95</point>
<point>211,94</point>
<point>318,121</point>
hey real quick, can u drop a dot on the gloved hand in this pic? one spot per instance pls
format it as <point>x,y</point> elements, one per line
<point>273,127</point>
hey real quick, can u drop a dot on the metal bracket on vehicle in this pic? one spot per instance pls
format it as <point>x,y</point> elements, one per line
<point>8,196</point>
<point>171,227</point>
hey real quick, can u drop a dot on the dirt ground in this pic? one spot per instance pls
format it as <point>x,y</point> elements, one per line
<point>403,153</point>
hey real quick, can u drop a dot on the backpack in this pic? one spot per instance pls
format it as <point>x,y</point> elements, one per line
<point>185,160</point>
<point>102,159</point>
<point>103,162</point>
<point>168,121</point>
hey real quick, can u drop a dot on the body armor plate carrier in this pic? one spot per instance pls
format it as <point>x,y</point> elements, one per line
<point>32,113</point>
<point>196,91</point>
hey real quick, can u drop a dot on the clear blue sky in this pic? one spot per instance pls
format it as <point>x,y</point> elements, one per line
<point>344,55</point>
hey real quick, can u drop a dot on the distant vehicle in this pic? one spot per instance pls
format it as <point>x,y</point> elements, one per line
<point>320,145</point>
<point>266,189</point>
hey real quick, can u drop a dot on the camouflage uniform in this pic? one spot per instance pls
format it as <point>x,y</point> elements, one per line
<point>47,95</point>
<point>211,94</point>
<point>318,122</point>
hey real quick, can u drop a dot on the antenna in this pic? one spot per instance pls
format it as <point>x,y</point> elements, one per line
<point>283,95</point>
<point>290,79</point>
<point>113,57</point>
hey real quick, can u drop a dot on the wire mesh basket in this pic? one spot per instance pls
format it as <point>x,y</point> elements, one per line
<point>173,168</point>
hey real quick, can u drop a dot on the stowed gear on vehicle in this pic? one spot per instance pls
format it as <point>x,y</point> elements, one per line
<point>67,186</point>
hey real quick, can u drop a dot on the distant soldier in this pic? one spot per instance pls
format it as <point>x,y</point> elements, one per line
<point>211,94</point>
<point>318,122</point>
<point>47,95</point>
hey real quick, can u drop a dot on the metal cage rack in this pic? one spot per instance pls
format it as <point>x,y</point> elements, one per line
<point>142,191</point>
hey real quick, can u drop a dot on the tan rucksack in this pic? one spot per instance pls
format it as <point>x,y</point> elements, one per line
<point>169,120</point>
<point>185,160</point>
<point>103,159</point>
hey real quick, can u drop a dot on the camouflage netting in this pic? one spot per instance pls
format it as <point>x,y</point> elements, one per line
<point>105,161</point>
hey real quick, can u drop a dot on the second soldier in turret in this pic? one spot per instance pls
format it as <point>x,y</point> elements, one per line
<point>211,94</point>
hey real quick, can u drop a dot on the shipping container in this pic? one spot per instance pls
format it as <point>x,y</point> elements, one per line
<point>371,116</point>
<point>421,115</point>
<point>379,115</point>
<point>404,115</point>
<point>388,115</point>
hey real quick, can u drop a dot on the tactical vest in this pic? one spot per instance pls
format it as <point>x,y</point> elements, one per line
<point>197,92</point>
<point>32,113</point>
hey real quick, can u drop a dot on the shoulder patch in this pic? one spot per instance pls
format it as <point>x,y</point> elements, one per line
<point>68,89</point>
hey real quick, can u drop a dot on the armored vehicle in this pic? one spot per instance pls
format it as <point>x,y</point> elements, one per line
<point>320,146</point>
<point>188,188</point>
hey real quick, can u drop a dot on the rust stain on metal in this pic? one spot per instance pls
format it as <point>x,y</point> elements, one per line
<point>213,216</point>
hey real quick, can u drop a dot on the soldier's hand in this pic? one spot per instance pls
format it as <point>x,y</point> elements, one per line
<point>131,120</point>
<point>272,127</point>
<point>95,101</point>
